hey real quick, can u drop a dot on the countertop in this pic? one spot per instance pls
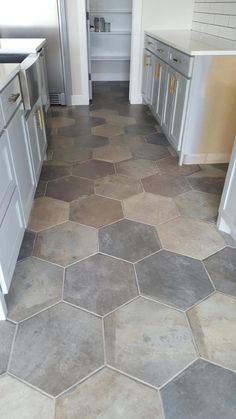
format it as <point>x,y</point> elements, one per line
<point>21,45</point>
<point>195,43</point>
<point>7,73</point>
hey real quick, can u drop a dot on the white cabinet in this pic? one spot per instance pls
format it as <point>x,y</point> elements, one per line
<point>148,73</point>
<point>20,152</point>
<point>7,177</point>
<point>158,88</point>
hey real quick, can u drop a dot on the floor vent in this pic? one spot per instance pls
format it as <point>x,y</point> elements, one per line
<point>57,98</point>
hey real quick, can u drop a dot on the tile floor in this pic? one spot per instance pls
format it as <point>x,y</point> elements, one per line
<point>123,300</point>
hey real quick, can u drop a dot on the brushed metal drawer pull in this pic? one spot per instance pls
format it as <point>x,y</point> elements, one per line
<point>150,43</point>
<point>176,60</point>
<point>160,50</point>
<point>13,98</point>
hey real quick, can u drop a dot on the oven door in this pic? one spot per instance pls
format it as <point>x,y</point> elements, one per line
<point>30,80</point>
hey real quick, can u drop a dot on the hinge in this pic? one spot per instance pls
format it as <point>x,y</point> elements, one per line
<point>90,76</point>
<point>87,15</point>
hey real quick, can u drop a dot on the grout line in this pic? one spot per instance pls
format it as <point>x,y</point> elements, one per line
<point>12,347</point>
<point>146,297</point>
<point>39,312</point>
<point>38,389</point>
<point>104,342</point>
<point>92,313</point>
<point>137,297</point>
<point>132,377</point>
<point>200,301</point>
<point>209,361</point>
<point>177,374</point>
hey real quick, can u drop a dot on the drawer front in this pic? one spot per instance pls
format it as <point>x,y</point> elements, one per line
<point>11,235</point>
<point>150,43</point>
<point>181,62</point>
<point>162,50</point>
<point>7,178</point>
<point>10,99</point>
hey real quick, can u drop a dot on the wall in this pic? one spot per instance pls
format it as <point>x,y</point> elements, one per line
<point>167,14</point>
<point>215,17</point>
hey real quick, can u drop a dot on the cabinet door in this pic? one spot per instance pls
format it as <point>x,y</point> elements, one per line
<point>159,75</point>
<point>21,157</point>
<point>181,87</point>
<point>11,235</point>
<point>147,77</point>
<point>169,97</point>
<point>7,176</point>
<point>41,132</point>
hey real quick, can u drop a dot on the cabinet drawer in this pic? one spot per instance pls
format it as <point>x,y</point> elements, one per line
<point>10,99</point>
<point>7,178</point>
<point>11,235</point>
<point>162,50</point>
<point>181,62</point>
<point>150,43</point>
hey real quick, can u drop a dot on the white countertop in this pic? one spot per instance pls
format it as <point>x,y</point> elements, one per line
<point>7,73</point>
<point>195,43</point>
<point>21,45</point>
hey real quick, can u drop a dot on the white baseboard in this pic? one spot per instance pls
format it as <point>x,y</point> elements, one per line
<point>110,76</point>
<point>77,100</point>
<point>136,99</point>
<point>208,158</point>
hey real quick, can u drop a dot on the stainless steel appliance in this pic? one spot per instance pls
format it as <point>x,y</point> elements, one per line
<point>47,19</point>
<point>99,24</point>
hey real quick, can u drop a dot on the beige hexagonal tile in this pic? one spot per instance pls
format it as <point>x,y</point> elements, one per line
<point>61,121</point>
<point>117,187</point>
<point>112,153</point>
<point>121,121</point>
<point>213,324</point>
<point>103,113</point>
<point>150,209</point>
<point>139,168</point>
<point>190,237</point>
<point>199,205</point>
<point>47,212</point>
<point>107,130</point>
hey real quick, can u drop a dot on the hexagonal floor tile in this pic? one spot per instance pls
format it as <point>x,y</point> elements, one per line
<point>7,331</point>
<point>27,245</point>
<point>75,130</point>
<point>149,208</point>
<point>127,139</point>
<point>96,211</point>
<point>41,189</point>
<point>128,240</point>
<point>120,397</point>
<point>157,138</point>
<point>202,391</point>
<point>190,237</point>
<point>170,166</point>
<point>58,122</point>
<point>222,269</point>
<point>148,341</point>
<point>199,205</point>
<point>59,355</point>
<point>72,154</point>
<point>93,169</point>
<point>149,151</point>
<point>213,324</point>
<point>166,185</point>
<point>103,113</point>
<point>66,243</point>
<point>212,185</point>
<point>112,153</point>
<point>92,141</point>
<point>36,285</point>
<point>51,172</point>
<point>108,130</point>
<point>138,168</point>
<point>47,212</point>
<point>210,170</point>
<point>100,284</point>
<point>20,401</point>
<point>57,142</point>
<point>141,129</point>
<point>121,121</point>
<point>173,279</point>
<point>118,187</point>
<point>69,188</point>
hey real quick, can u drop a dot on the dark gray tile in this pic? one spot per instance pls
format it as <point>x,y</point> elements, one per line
<point>69,188</point>
<point>52,356</point>
<point>202,391</point>
<point>150,151</point>
<point>74,130</point>
<point>128,240</point>
<point>41,189</point>
<point>100,284</point>
<point>158,139</point>
<point>173,279</point>
<point>71,155</point>
<point>36,285</point>
<point>209,184</point>
<point>166,185</point>
<point>50,172</point>
<point>93,169</point>
<point>27,245</point>
<point>92,141</point>
<point>141,129</point>
<point>222,270</point>
<point>7,331</point>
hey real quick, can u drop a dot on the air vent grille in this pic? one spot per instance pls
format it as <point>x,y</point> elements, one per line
<point>57,98</point>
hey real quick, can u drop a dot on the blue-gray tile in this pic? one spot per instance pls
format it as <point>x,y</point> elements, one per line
<point>7,330</point>
<point>222,269</point>
<point>27,245</point>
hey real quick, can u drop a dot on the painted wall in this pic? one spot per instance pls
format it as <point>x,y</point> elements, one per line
<point>216,18</point>
<point>167,14</point>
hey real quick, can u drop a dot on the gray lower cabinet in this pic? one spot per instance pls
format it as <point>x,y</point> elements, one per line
<point>147,76</point>
<point>158,88</point>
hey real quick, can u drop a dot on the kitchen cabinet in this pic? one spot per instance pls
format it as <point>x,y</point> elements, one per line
<point>158,88</point>
<point>148,73</point>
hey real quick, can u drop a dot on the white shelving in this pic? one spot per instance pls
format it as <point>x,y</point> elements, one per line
<point>110,51</point>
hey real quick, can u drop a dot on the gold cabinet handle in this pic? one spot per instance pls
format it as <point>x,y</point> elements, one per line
<point>13,98</point>
<point>174,84</point>
<point>156,71</point>
<point>39,119</point>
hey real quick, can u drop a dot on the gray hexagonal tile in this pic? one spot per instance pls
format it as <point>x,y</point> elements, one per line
<point>202,391</point>
<point>92,141</point>
<point>112,153</point>
<point>190,237</point>
<point>173,279</point>
<point>166,185</point>
<point>170,166</point>
<point>7,330</point>
<point>212,185</point>
<point>199,205</point>
<point>157,138</point>
<point>150,151</point>
<point>100,284</point>
<point>36,285</point>
<point>128,240</point>
<point>148,341</point>
<point>213,324</point>
<point>69,188</point>
<point>138,168</point>
<point>72,155</point>
<point>51,172</point>
<point>222,269</point>
<point>118,187</point>
<point>96,211</point>
<point>27,245</point>
<point>149,208</point>
<point>120,397</point>
<point>93,169</point>
<point>108,130</point>
<point>20,401</point>
<point>141,129</point>
<point>47,212</point>
<point>62,244</point>
<point>59,355</point>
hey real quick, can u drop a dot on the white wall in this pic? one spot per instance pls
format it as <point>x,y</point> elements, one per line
<point>167,14</point>
<point>216,18</point>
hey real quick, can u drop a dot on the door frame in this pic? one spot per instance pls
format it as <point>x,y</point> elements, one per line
<point>135,94</point>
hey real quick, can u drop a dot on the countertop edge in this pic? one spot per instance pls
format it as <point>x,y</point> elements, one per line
<point>6,78</point>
